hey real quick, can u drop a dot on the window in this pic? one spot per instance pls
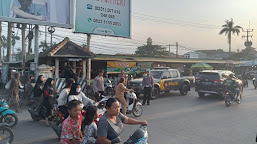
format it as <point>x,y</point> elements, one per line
<point>166,74</point>
<point>174,74</point>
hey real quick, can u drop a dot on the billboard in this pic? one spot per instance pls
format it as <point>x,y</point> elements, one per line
<point>40,12</point>
<point>118,66</point>
<point>103,17</point>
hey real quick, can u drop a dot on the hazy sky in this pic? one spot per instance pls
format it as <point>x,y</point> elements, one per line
<point>193,23</point>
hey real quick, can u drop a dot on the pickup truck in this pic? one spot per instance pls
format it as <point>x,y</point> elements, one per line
<point>165,80</point>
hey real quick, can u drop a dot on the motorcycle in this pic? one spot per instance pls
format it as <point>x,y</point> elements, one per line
<point>57,126</point>
<point>230,96</point>
<point>109,89</point>
<point>134,106</point>
<point>140,136</point>
<point>7,116</point>
<point>41,115</point>
<point>6,134</point>
<point>245,82</point>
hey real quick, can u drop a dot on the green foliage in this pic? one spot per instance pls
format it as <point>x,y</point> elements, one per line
<point>151,51</point>
<point>228,29</point>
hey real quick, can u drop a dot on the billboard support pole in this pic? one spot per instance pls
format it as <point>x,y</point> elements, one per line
<point>9,42</point>
<point>89,60</point>
<point>23,48</point>
<point>36,52</point>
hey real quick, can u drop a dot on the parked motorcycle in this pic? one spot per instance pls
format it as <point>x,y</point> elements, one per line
<point>140,136</point>
<point>6,134</point>
<point>230,96</point>
<point>7,116</point>
<point>134,106</point>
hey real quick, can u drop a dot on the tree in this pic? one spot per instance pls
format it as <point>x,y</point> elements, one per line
<point>229,29</point>
<point>14,39</point>
<point>43,45</point>
<point>151,51</point>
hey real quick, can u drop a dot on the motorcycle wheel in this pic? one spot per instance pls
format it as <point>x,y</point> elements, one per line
<point>6,134</point>
<point>138,110</point>
<point>227,101</point>
<point>10,119</point>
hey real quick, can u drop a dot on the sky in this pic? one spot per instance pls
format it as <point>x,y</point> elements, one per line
<point>194,24</point>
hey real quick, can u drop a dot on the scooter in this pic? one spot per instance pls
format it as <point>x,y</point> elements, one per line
<point>230,96</point>
<point>109,89</point>
<point>134,106</point>
<point>7,116</point>
<point>140,136</point>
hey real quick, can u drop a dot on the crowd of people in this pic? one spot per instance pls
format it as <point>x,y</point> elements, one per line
<point>72,100</point>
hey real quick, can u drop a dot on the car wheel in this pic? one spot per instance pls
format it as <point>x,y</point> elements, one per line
<point>184,89</point>
<point>201,94</point>
<point>155,93</point>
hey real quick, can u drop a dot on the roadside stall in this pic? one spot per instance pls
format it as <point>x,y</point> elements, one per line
<point>67,60</point>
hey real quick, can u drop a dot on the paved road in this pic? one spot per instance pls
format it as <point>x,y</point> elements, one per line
<point>175,119</point>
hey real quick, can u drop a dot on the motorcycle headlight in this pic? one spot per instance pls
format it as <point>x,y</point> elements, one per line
<point>6,105</point>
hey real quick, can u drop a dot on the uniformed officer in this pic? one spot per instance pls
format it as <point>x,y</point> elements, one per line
<point>147,87</point>
<point>98,85</point>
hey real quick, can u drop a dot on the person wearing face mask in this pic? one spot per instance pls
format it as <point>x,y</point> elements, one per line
<point>77,94</point>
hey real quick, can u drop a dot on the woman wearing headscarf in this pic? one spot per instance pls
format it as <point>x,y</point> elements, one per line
<point>38,93</point>
<point>77,94</point>
<point>48,96</point>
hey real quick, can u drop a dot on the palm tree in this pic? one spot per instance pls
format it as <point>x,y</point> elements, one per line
<point>230,29</point>
<point>14,38</point>
<point>43,45</point>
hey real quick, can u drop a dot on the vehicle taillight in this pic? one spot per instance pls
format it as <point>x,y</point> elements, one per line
<point>198,80</point>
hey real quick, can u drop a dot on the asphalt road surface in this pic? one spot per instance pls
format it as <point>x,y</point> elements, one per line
<point>174,119</point>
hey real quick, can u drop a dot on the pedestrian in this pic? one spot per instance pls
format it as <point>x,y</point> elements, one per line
<point>119,94</point>
<point>14,91</point>
<point>147,87</point>
<point>71,128</point>
<point>48,97</point>
<point>62,99</point>
<point>90,131</point>
<point>38,93</point>
<point>98,85</point>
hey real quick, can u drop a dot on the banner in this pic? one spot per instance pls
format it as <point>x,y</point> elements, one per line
<point>41,12</point>
<point>128,67</point>
<point>143,66</point>
<point>103,17</point>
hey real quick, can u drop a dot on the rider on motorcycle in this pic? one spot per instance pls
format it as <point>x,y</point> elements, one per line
<point>232,85</point>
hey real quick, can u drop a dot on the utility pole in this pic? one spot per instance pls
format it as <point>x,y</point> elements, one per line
<point>248,31</point>
<point>45,39</point>
<point>9,41</point>
<point>51,30</point>
<point>169,49</point>
<point>89,60</point>
<point>23,48</point>
<point>176,49</point>
<point>36,52</point>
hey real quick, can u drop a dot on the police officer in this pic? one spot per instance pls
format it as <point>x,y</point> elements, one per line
<point>147,87</point>
<point>98,85</point>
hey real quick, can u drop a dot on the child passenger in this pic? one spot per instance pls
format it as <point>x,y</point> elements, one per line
<point>90,135</point>
<point>71,129</point>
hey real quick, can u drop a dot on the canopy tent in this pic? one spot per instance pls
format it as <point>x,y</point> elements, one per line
<point>201,66</point>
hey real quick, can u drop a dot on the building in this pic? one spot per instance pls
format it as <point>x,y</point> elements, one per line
<point>195,55</point>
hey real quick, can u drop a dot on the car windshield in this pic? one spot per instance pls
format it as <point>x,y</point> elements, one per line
<point>210,76</point>
<point>156,74</point>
